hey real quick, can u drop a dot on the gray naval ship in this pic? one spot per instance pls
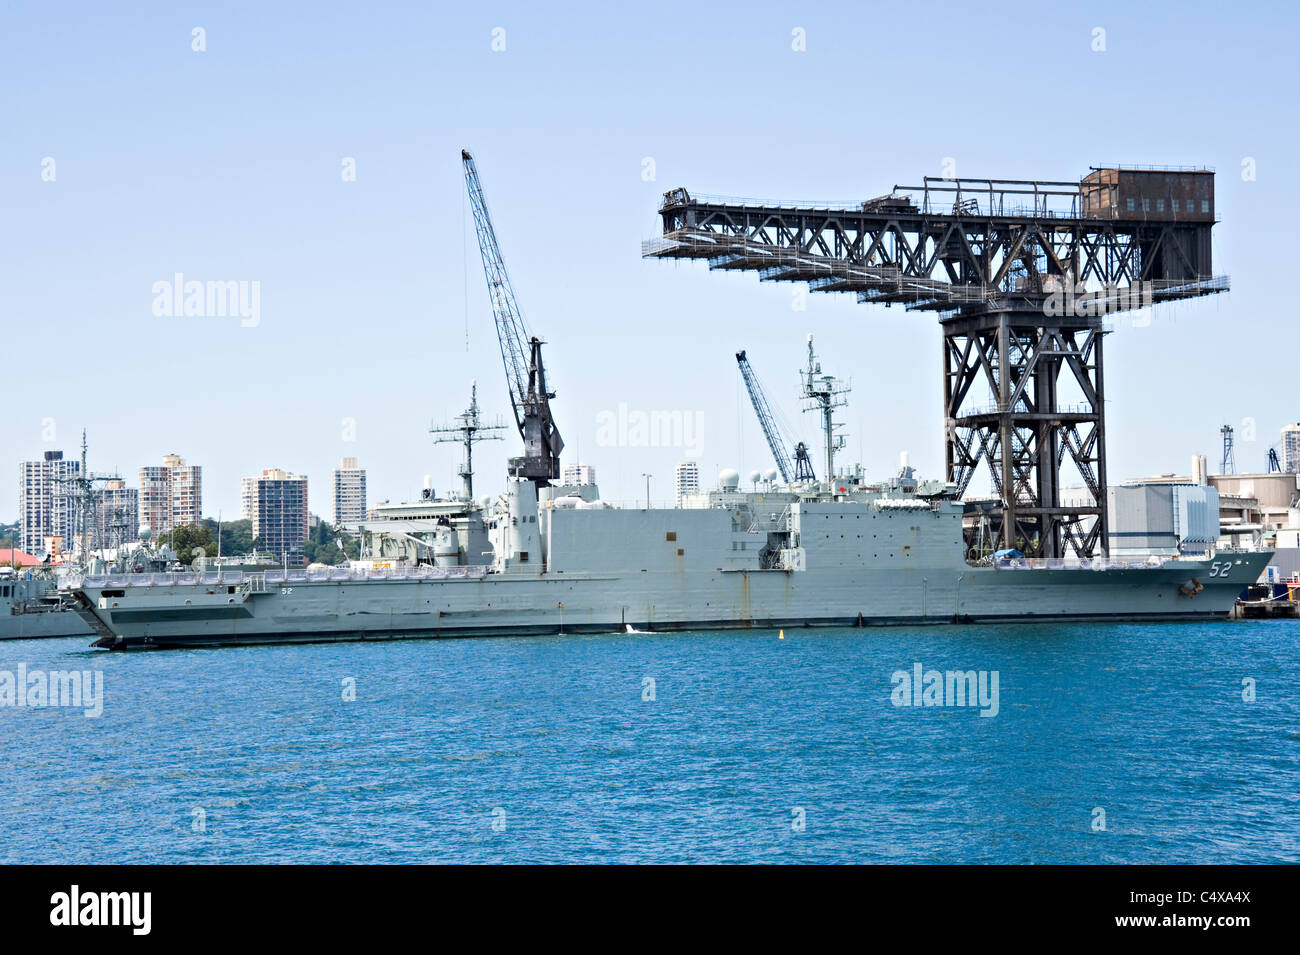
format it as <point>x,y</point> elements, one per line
<point>558,560</point>
<point>33,607</point>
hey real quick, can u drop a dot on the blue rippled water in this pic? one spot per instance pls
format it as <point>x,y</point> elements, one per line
<point>545,750</point>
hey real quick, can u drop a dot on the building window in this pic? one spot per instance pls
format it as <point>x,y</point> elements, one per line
<point>1131,205</point>
<point>1146,205</point>
<point>1160,205</point>
<point>1173,203</point>
<point>1205,205</point>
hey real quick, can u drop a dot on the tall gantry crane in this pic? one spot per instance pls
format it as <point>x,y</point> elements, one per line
<point>1022,275</point>
<point>520,352</point>
<point>803,470</point>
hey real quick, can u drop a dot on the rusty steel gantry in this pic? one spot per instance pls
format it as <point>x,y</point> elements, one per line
<point>1021,274</point>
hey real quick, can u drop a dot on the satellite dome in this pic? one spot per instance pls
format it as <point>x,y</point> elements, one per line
<point>755,476</point>
<point>145,532</point>
<point>729,479</point>
<point>770,474</point>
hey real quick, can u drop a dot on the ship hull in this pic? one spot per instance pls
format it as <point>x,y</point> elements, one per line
<point>303,610</point>
<point>37,626</point>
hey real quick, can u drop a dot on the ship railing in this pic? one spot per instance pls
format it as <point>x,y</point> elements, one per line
<point>759,524</point>
<point>254,583</point>
<point>1077,563</point>
<point>258,580</point>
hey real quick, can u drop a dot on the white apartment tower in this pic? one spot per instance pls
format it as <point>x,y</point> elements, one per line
<point>578,474</point>
<point>45,501</point>
<point>1291,447</point>
<point>349,493</point>
<point>171,495</point>
<point>686,478</point>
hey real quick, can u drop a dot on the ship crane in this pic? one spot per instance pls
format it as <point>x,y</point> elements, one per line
<point>803,470</point>
<point>520,352</point>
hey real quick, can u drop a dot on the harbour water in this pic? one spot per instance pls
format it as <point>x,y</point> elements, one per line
<point>694,747</point>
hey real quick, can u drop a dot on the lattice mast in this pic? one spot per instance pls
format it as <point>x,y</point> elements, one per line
<point>823,394</point>
<point>468,429</point>
<point>1229,463</point>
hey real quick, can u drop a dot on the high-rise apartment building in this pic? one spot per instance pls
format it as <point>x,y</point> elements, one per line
<point>686,479</point>
<point>171,494</point>
<point>276,503</point>
<point>349,493</point>
<point>1291,447</point>
<point>117,514</point>
<point>45,508</point>
<point>578,474</point>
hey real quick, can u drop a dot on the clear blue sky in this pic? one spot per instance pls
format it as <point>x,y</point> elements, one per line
<point>225,165</point>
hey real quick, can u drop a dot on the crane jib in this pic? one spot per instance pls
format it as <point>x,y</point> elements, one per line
<point>521,353</point>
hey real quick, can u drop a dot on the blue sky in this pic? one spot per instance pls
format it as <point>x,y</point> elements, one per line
<point>225,165</point>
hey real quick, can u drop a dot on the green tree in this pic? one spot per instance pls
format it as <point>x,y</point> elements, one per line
<point>236,537</point>
<point>187,538</point>
<point>322,545</point>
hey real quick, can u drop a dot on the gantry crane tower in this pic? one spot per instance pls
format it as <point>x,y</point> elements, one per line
<point>1021,274</point>
<point>781,453</point>
<point>520,352</point>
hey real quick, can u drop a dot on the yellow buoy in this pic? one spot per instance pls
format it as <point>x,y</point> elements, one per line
<point>782,635</point>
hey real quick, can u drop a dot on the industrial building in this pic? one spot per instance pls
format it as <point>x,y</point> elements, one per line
<point>1165,516</point>
<point>1274,497</point>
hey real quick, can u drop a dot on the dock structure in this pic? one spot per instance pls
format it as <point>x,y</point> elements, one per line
<point>1022,275</point>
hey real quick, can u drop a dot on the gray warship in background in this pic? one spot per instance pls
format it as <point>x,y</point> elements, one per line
<point>32,606</point>
<point>789,550</point>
